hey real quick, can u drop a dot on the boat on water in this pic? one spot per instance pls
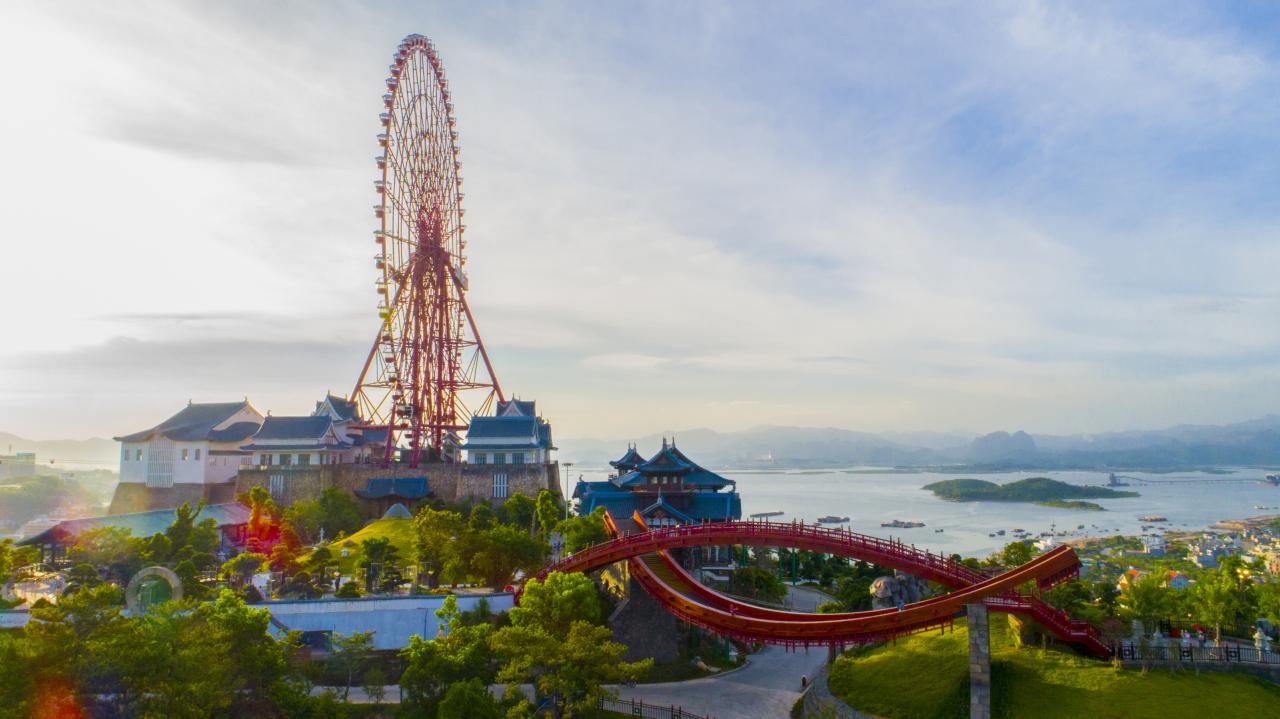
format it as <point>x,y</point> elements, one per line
<point>1274,479</point>
<point>766,515</point>
<point>1152,518</point>
<point>832,519</point>
<point>939,530</point>
<point>899,524</point>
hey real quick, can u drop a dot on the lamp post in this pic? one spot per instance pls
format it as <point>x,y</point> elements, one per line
<point>567,465</point>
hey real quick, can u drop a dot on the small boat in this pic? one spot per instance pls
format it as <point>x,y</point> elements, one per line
<point>1152,518</point>
<point>899,524</point>
<point>939,530</point>
<point>766,515</point>
<point>832,519</point>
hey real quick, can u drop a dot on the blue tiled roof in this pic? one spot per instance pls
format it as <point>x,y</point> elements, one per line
<point>628,461</point>
<point>502,427</point>
<point>544,435</point>
<point>668,460</point>
<point>235,433</point>
<point>665,506</point>
<point>369,436</point>
<point>516,407</point>
<point>399,487</point>
<point>584,486</point>
<point>194,423</point>
<point>344,408</point>
<point>253,447</point>
<point>716,505</point>
<point>293,428</point>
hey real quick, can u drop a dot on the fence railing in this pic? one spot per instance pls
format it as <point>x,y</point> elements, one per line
<point>1128,651</point>
<point>636,708</point>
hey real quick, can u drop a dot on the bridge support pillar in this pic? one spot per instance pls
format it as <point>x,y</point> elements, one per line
<point>979,662</point>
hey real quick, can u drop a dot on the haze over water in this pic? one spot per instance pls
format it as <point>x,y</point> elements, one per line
<point>871,498</point>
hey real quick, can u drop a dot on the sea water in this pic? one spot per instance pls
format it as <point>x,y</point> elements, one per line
<point>869,498</point>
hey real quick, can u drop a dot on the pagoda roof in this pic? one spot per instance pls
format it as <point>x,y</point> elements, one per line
<point>665,506</point>
<point>628,461</point>
<point>343,408</point>
<point>517,408</point>
<point>198,422</point>
<point>668,460</point>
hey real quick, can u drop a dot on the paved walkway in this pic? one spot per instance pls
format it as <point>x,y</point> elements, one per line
<point>765,689</point>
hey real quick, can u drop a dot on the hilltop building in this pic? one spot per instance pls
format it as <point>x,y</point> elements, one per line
<point>667,489</point>
<point>515,434</point>
<point>191,457</point>
<point>232,520</point>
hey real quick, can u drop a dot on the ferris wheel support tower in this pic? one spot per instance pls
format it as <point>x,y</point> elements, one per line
<point>427,372</point>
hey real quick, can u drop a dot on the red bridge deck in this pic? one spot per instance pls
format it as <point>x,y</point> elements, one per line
<point>697,604</point>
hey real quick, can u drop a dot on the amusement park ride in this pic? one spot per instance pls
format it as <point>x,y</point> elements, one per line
<point>646,554</point>
<point>427,355</point>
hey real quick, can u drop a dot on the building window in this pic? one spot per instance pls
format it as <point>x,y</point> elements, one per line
<point>500,485</point>
<point>304,460</point>
<point>264,460</point>
<point>500,458</point>
<point>160,464</point>
<point>478,458</point>
<point>185,453</point>
<point>197,454</point>
<point>517,458</point>
<point>125,452</point>
<point>286,460</point>
<point>275,484</point>
<point>137,455</point>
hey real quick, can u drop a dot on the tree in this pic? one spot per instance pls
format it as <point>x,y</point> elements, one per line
<point>1016,553</point>
<point>499,551</point>
<point>113,549</point>
<point>239,570</point>
<point>438,532</point>
<point>459,652</point>
<point>481,517</point>
<point>583,531</point>
<point>518,511</point>
<point>571,670</point>
<point>468,699</point>
<point>1268,595</point>
<point>350,655</point>
<point>350,589</point>
<point>378,560</point>
<point>554,603</point>
<point>1147,599</point>
<point>1218,600</point>
<point>334,511</point>
<point>1107,595</point>
<point>756,583</point>
<point>549,512</point>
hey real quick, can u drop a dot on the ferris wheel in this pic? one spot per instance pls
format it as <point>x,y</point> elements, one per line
<point>427,357</point>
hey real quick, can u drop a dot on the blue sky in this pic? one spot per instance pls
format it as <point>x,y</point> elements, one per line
<point>1057,217</point>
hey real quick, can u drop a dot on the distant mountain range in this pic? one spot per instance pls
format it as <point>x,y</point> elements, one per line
<point>65,453</point>
<point>1255,442</point>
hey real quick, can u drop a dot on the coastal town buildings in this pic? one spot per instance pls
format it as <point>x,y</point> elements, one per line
<point>17,465</point>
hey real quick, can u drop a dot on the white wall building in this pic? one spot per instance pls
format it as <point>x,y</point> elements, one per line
<point>199,445</point>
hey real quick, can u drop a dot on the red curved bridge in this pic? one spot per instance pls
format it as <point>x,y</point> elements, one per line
<point>693,602</point>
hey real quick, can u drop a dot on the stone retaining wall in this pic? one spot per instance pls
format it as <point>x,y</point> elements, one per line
<point>448,481</point>
<point>819,703</point>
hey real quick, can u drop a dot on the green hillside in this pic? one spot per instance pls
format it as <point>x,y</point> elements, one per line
<point>399,531</point>
<point>1031,489</point>
<point>927,676</point>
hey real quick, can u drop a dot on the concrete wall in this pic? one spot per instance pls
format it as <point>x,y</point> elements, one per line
<point>392,620</point>
<point>450,481</point>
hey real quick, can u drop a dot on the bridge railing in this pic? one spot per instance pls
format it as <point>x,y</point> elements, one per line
<point>632,707</point>
<point>1234,653</point>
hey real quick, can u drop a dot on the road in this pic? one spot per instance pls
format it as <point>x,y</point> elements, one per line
<point>765,689</point>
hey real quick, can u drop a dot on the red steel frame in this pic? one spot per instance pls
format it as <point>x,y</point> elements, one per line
<point>427,352</point>
<point>729,617</point>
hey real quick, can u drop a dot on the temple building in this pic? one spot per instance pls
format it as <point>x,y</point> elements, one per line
<point>191,457</point>
<point>667,489</point>
<point>515,434</point>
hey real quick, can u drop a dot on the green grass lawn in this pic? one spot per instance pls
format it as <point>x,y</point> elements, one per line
<point>399,531</point>
<point>927,676</point>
